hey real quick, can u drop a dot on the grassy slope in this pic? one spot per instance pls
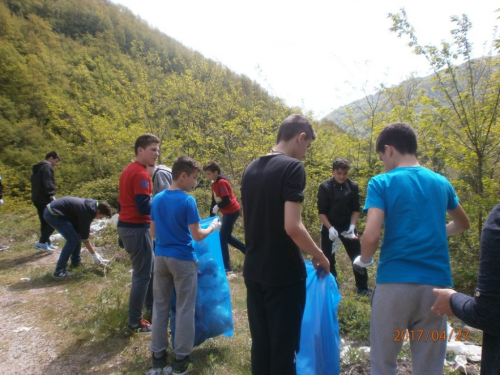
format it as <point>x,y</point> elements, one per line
<point>78,326</point>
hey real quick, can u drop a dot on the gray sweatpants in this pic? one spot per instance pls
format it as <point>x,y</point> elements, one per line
<point>396,308</point>
<point>139,245</point>
<point>183,275</point>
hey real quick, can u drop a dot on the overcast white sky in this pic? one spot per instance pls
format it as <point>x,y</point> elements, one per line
<point>315,54</point>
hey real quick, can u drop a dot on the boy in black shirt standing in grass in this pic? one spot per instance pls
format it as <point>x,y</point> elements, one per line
<point>338,209</point>
<point>274,271</point>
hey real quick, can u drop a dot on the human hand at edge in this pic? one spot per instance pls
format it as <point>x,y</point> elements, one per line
<point>360,266</point>
<point>442,305</point>
<point>321,265</point>
<point>215,224</point>
<point>332,234</point>
<point>98,259</point>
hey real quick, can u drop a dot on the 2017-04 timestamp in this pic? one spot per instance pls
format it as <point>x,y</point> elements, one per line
<point>431,335</point>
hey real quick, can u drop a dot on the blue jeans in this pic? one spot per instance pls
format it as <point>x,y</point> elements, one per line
<point>226,238</point>
<point>73,245</point>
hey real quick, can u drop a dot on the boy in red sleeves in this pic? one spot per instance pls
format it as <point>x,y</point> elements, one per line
<point>223,200</point>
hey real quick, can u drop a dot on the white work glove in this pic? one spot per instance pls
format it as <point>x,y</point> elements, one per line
<point>1,202</point>
<point>350,234</point>
<point>360,266</point>
<point>215,210</point>
<point>98,259</point>
<point>333,234</point>
<point>215,225</point>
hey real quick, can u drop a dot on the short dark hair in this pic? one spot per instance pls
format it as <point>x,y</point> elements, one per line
<point>104,208</point>
<point>212,166</point>
<point>144,141</point>
<point>399,135</point>
<point>53,155</point>
<point>184,164</point>
<point>341,163</point>
<point>293,125</point>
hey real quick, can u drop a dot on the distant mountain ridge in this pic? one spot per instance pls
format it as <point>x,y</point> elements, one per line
<point>348,117</point>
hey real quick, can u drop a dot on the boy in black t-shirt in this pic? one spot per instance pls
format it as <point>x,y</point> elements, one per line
<point>274,271</point>
<point>338,209</point>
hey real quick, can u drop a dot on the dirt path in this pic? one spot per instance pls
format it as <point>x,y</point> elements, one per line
<point>26,347</point>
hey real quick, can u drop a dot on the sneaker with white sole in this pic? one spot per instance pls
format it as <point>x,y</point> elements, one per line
<point>43,247</point>
<point>63,274</point>
<point>52,247</point>
<point>183,366</point>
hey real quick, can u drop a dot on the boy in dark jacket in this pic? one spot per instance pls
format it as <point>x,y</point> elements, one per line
<point>338,208</point>
<point>43,191</point>
<point>483,310</point>
<point>72,218</point>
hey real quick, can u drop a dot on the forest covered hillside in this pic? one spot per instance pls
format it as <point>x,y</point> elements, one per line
<point>86,77</point>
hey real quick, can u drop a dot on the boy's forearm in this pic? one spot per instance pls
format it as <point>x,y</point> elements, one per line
<point>368,248</point>
<point>304,241</point>
<point>152,229</point>
<point>325,221</point>
<point>354,217</point>
<point>460,222</point>
<point>89,247</point>
<point>371,236</point>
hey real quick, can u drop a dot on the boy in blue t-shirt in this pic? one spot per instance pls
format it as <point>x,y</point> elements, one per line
<point>411,203</point>
<point>175,223</point>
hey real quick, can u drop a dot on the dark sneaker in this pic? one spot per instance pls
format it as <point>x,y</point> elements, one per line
<point>183,366</point>
<point>63,274</point>
<point>143,327</point>
<point>76,265</point>
<point>159,363</point>
<point>148,315</point>
<point>364,292</point>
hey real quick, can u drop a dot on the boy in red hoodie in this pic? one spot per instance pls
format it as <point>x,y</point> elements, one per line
<point>224,200</point>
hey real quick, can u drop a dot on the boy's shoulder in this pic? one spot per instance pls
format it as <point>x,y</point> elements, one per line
<point>401,175</point>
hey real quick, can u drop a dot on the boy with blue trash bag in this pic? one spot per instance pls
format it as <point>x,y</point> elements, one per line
<point>411,202</point>
<point>274,270</point>
<point>223,200</point>
<point>175,223</point>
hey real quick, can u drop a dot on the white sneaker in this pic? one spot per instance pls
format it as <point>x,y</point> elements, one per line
<point>52,247</point>
<point>43,247</point>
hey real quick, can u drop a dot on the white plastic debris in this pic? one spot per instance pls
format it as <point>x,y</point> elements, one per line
<point>114,219</point>
<point>25,279</point>
<point>22,329</point>
<point>350,236</point>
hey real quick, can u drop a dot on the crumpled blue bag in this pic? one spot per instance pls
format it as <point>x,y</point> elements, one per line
<point>319,337</point>
<point>213,314</point>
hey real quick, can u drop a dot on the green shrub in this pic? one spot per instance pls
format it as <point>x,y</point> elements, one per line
<point>102,189</point>
<point>354,318</point>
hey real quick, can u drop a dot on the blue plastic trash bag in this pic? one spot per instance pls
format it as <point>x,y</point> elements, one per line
<point>213,315</point>
<point>319,338</point>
